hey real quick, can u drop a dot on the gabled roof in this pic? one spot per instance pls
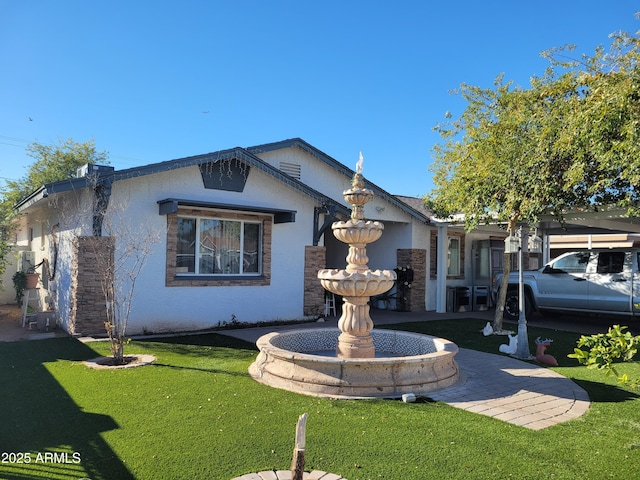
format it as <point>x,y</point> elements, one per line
<point>340,167</point>
<point>248,155</point>
<point>417,204</point>
<point>234,153</point>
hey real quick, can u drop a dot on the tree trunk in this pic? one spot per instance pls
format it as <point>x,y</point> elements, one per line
<point>118,351</point>
<point>502,293</point>
<point>506,270</point>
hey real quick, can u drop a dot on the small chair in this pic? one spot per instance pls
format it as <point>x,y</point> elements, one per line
<point>329,304</point>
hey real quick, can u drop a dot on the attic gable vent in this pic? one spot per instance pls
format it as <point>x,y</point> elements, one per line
<point>291,169</point>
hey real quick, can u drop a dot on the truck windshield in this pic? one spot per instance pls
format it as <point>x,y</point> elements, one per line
<point>574,263</point>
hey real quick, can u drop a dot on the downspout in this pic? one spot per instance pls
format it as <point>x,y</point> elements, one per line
<point>54,238</point>
<point>102,194</point>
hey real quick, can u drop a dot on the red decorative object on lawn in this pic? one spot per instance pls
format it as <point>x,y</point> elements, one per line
<point>542,357</point>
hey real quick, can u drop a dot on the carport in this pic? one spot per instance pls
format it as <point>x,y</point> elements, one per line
<point>607,228</point>
<point>580,229</point>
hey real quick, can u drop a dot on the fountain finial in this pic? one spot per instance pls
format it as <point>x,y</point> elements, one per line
<point>358,195</point>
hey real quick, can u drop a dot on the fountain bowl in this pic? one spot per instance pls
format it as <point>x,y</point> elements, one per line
<point>300,361</point>
<point>357,232</point>
<point>356,284</point>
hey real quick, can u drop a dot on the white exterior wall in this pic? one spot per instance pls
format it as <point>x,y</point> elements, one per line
<point>69,214</point>
<point>313,172</point>
<point>401,230</point>
<point>160,308</point>
<point>7,292</point>
<point>324,178</point>
<point>420,239</point>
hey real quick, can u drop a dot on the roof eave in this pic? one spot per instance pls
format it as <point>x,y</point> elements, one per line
<point>31,199</point>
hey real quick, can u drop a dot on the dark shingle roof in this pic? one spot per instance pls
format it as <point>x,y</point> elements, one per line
<point>248,155</point>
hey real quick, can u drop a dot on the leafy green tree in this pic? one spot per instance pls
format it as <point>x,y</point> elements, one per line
<point>569,140</point>
<point>601,124</point>
<point>52,163</point>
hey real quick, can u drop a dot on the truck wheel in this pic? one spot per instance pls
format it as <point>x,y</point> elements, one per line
<point>512,305</point>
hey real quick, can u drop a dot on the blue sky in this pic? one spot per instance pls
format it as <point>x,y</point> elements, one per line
<point>155,80</point>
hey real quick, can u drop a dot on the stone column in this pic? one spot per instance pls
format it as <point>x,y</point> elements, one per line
<point>315,258</point>
<point>92,257</point>
<point>416,259</point>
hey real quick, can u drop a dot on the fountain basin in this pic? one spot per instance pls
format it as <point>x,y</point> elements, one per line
<point>357,232</point>
<point>358,195</point>
<point>406,363</point>
<point>357,284</point>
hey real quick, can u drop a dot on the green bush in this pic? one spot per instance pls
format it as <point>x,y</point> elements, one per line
<point>602,350</point>
<point>19,283</point>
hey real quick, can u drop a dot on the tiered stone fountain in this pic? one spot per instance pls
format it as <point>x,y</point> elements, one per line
<point>366,363</point>
<point>356,284</point>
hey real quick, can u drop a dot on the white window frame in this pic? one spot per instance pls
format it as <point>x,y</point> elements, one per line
<point>453,256</point>
<point>241,272</point>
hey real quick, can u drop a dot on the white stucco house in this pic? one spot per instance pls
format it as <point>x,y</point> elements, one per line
<point>241,235</point>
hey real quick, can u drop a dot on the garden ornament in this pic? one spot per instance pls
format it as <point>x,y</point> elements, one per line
<point>542,357</point>
<point>487,330</point>
<point>512,347</point>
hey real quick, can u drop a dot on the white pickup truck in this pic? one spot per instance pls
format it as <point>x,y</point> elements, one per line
<point>594,281</point>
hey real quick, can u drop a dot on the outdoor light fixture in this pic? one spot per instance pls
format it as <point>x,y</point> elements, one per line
<point>512,244</point>
<point>534,243</point>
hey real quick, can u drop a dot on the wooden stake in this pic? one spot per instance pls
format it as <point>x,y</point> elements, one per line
<point>297,464</point>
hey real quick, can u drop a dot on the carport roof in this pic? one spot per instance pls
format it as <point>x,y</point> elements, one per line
<point>605,220</point>
<point>606,240</point>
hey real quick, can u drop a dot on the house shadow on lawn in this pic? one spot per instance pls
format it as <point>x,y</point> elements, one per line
<point>184,344</point>
<point>201,339</point>
<point>39,417</point>
<point>196,369</point>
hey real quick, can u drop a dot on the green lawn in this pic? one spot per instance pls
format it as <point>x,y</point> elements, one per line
<point>196,414</point>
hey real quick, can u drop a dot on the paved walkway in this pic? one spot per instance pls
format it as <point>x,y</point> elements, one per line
<point>513,391</point>
<point>11,329</point>
<point>495,385</point>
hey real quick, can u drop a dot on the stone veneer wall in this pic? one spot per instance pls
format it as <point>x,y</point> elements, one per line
<point>416,258</point>
<point>88,311</point>
<point>315,258</point>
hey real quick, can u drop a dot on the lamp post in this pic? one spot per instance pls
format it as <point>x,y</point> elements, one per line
<point>514,243</point>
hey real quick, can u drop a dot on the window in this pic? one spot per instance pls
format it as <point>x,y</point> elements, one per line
<point>610,262</point>
<point>218,246</point>
<point>453,256</point>
<point>574,263</point>
<point>209,247</point>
